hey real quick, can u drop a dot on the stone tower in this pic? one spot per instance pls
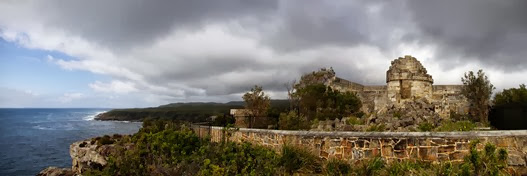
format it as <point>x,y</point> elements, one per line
<point>407,79</point>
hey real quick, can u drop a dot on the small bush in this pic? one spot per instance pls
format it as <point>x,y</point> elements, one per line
<point>105,140</point>
<point>465,125</point>
<point>425,126</point>
<point>371,167</point>
<point>397,115</point>
<point>355,121</point>
<point>295,159</point>
<point>292,121</point>
<point>376,127</point>
<point>408,168</point>
<point>360,114</point>
<point>458,117</point>
<point>337,167</point>
<point>486,162</point>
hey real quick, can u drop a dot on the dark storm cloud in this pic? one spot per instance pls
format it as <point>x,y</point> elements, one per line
<point>220,48</point>
<point>494,32</point>
<point>310,24</point>
<point>121,23</point>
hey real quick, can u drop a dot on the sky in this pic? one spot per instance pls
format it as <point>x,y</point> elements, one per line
<point>139,53</point>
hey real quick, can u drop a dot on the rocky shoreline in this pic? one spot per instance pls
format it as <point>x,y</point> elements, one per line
<point>85,154</point>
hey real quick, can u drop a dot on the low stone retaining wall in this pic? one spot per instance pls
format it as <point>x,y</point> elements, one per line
<point>426,146</point>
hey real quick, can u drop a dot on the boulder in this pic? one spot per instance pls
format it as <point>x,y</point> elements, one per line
<point>86,155</point>
<point>55,171</point>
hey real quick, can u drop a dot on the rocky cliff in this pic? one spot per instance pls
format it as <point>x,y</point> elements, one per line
<point>86,154</point>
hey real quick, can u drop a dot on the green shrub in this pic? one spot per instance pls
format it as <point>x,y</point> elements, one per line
<point>337,167</point>
<point>425,126</point>
<point>292,121</point>
<point>458,117</point>
<point>408,168</point>
<point>105,140</point>
<point>465,125</point>
<point>295,159</point>
<point>376,127</point>
<point>117,136</point>
<point>370,167</point>
<point>355,121</point>
<point>397,115</point>
<point>486,162</point>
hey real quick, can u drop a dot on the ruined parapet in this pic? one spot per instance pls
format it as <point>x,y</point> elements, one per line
<point>408,79</point>
<point>448,98</point>
<point>240,116</point>
<point>345,85</point>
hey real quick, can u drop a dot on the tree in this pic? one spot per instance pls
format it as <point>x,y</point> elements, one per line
<point>508,109</point>
<point>318,101</point>
<point>313,98</point>
<point>292,121</point>
<point>256,103</point>
<point>512,96</point>
<point>293,100</point>
<point>478,90</point>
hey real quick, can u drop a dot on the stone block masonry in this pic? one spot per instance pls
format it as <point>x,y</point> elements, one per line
<point>406,80</point>
<point>353,146</point>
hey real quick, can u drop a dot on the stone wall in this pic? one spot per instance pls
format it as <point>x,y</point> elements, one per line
<point>426,146</point>
<point>448,98</point>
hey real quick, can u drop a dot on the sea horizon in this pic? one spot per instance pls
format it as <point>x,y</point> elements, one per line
<point>36,138</point>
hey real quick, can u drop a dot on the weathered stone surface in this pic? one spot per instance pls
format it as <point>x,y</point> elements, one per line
<point>516,158</point>
<point>446,149</point>
<point>406,80</point>
<point>85,155</point>
<point>55,171</point>
<point>458,155</point>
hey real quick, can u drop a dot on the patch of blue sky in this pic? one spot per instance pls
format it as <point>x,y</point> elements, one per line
<point>29,69</point>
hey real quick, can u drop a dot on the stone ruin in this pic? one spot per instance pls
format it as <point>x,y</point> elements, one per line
<point>408,98</point>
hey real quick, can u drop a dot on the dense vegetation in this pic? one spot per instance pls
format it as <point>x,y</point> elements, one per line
<point>509,109</point>
<point>312,100</point>
<point>169,148</point>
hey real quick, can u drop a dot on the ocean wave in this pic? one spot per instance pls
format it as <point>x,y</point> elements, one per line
<point>42,127</point>
<point>59,126</point>
<point>92,116</point>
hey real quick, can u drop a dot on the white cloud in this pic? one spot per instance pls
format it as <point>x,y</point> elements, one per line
<point>68,97</point>
<point>115,86</point>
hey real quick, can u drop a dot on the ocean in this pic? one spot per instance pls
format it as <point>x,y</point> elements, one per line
<point>33,139</point>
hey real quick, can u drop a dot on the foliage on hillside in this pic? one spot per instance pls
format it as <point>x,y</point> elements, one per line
<point>509,110</point>
<point>512,96</point>
<point>191,112</point>
<point>169,148</point>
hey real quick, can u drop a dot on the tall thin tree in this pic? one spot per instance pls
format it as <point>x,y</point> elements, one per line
<point>478,90</point>
<point>256,103</point>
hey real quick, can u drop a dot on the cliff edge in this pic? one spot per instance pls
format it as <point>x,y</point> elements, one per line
<point>86,154</point>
